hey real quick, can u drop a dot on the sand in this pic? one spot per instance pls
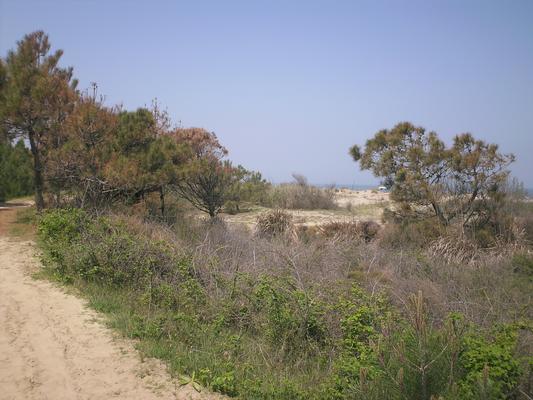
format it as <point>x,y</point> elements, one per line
<point>343,197</point>
<point>53,347</point>
<point>362,205</point>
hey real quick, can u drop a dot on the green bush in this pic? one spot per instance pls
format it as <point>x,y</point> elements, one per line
<point>385,357</point>
<point>62,225</point>
<point>59,231</point>
<point>225,384</point>
<point>357,364</point>
<point>248,188</point>
<point>411,233</point>
<point>289,317</point>
<point>491,368</point>
<point>16,170</point>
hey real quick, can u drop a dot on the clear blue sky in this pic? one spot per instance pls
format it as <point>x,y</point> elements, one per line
<point>288,86</point>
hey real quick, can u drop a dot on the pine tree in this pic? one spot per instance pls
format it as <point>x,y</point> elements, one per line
<point>36,96</point>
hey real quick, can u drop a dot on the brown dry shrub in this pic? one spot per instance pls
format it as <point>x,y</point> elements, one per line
<point>307,233</point>
<point>275,223</point>
<point>486,288</point>
<point>459,246</point>
<point>451,272</point>
<point>410,234</point>
<point>454,249</point>
<point>526,223</point>
<point>350,230</point>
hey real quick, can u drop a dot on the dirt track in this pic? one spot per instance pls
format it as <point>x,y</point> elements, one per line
<point>53,347</point>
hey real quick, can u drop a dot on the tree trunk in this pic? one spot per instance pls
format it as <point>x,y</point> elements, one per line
<point>162,200</point>
<point>439,214</point>
<point>58,198</point>
<point>37,173</point>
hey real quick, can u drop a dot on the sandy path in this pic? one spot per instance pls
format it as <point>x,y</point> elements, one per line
<point>53,347</point>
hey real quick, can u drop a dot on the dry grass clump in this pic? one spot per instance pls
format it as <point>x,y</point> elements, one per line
<point>302,196</point>
<point>457,248</point>
<point>275,223</point>
<point>409,235</point>
<point>524,224</point>
<point>350,230</point>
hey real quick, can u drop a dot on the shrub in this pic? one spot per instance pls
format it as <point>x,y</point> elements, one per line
<point>357,363</point>
<point>523,264</point>
<point>411,233</point>
<point>57,230</point>
<point>249,188</point>
<point>267,319</point>
<point>274,223</point>
<point>386,357</point>
<point>62,225</point>
<point>107,251</point>
<point>16,170</point>
<point>289,317</point>
<point>526,223</point>
<point>491,368</point>
<point>301,195</point>
<point>232,207</point>
<point>365,230</point>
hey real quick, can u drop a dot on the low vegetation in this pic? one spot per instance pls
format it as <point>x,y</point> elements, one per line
<point>300,195</point>
<point>271,317</point>
<point>15,171</point>
<point>342,230</point>
<point>275,223</point>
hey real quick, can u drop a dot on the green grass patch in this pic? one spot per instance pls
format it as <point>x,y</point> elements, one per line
<point>23,227</point>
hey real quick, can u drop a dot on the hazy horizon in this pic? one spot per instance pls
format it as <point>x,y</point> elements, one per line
<point>288,88</point>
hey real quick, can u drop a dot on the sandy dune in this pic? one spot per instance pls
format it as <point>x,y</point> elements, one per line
<point>53,347</point>
<point>353,205</point>
<point>343,197</point>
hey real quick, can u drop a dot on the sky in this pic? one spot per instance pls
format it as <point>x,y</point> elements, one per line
<point>289,86</point>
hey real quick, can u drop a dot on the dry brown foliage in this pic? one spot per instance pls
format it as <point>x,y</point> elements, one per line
<point>302,196</point>
<point>275,223</point>
<point>350,230</point>
<point>485,287</point>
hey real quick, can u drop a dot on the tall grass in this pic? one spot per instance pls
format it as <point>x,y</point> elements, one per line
<point>300,195</point>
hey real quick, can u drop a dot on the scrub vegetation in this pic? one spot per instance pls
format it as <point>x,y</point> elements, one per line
<point>15,171</point>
